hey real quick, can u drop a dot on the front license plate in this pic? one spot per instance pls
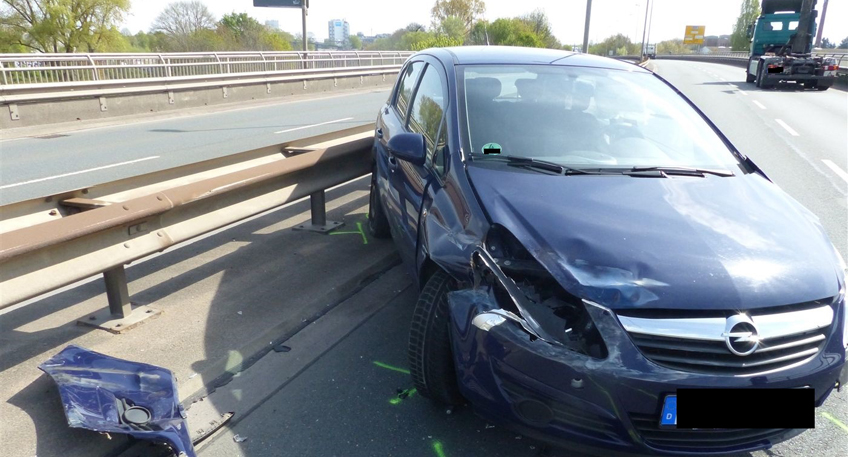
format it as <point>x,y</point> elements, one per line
<point>669,412</point>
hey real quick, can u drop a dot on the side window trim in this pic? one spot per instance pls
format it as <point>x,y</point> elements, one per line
<point>405,115</point>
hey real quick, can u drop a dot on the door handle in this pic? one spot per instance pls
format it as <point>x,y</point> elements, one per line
<point>379,133</point>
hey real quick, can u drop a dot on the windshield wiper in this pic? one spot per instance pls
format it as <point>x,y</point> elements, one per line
<point>543,165</point>
<point>681,171</point>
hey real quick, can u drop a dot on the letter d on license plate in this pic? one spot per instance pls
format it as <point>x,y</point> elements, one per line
<point>669,412</point>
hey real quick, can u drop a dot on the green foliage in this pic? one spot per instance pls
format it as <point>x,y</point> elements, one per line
<point>435,41</point>
<point>844,43</point>
<point>619,44</point>
<point>513,32</point>
<point>61,25</point>
<point>452,27</point>
<point>467,11</point>
<point>355,42</point>
<point>539,24</point>
<point>748,14</point>
<point>241,32</point>
<point>673,47</point>
<point>826,44</point>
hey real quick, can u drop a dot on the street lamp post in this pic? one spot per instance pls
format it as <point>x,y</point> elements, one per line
<point>586,27</point>
<point>644,32</point>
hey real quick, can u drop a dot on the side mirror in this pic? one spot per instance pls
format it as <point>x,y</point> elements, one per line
<point>409,147</point>
<point>750,31</point>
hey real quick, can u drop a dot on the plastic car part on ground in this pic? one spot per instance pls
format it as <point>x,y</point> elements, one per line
<point>106,394</point>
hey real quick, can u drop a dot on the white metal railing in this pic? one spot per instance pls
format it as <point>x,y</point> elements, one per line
<point>29,69</point>
<point>841,59</point>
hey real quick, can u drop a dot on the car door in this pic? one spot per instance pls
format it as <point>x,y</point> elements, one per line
<point>408,181</point>
<point>392,120</point>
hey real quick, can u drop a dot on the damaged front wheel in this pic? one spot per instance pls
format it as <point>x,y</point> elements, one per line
<point>430,357</point>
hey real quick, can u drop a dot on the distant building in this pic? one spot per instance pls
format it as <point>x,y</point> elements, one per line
<point>339,31</point>
<point>274,24</point>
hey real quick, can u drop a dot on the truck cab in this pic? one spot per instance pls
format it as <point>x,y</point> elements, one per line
<point>781,47</point>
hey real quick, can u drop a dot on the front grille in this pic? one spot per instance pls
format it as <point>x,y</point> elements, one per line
<point>713,356</point>
<point>698,344</point>
<point>705,439</point>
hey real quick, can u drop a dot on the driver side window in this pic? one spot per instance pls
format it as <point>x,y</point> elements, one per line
<point>407,84</point>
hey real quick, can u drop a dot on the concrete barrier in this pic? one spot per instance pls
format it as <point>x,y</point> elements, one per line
<point>70,108</point>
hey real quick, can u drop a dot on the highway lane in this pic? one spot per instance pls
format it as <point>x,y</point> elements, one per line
<point>810,166</point>
<point>35,167</point>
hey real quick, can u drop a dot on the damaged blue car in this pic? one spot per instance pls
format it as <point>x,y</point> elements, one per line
<point>587,245</point>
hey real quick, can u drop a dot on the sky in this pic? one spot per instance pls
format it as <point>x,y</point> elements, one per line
<point>567,17</point>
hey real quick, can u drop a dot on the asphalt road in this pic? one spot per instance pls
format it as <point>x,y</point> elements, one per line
<point>49,164</point>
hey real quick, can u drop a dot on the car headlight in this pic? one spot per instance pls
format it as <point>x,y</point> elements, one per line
<point>531,296</point>
<point>841,299</point>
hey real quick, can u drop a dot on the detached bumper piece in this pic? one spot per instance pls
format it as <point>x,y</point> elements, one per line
<point>106,394</point>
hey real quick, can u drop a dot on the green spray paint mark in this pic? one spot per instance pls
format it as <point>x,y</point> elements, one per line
<point>357,232</point>
<point>403,396</point>
<point>390,367</point>
<point>437,447</point>
<point>835,421</point>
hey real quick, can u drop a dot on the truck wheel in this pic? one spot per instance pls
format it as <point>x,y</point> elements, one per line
<point>749,78</point>
<point>430,355</point>
<point>759,77</point>
<point>378,224</point>
<point>822,88</point>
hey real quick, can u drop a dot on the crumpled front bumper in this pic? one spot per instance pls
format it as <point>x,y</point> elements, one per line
<point>610,406</point>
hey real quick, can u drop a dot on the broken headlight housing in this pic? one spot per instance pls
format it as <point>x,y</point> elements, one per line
<point>529,295</point>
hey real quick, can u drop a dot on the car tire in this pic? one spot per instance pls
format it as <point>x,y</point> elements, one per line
<point>378,224</point>
<point>760,77</point>
<point>822,88</point>
<point>430,356</point>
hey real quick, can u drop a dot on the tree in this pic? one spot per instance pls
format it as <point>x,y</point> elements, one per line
<point>748,14</point>
<point>673,47</point>
<point>355,42</point>
<point>513,32</point>
<point>61,25</point>
<point>466,10</point>
<point>452,27</point>
<point>538,22</point>
<point>618,44</point>
<point>185,23</point>
<point>844,43</point>
<point>241,32</point>
<point>826,44</point>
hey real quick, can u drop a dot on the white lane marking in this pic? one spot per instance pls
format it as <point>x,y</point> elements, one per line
<point>314,125</point>
<point>722,78</point>
<point>33,181</point>
<point>759,104</point>
<point>839,172</point>
<point>788,128</point>
<point>737,89</point>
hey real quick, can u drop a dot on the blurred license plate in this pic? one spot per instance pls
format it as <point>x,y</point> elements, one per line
<point>669,412</point>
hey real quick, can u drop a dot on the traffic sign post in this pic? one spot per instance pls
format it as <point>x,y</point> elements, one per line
<point>302,4</point>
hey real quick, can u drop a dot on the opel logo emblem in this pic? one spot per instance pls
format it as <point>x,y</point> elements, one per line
<point>740,335</point>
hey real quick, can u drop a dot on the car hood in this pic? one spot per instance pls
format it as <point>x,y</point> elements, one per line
<point>684,242</point>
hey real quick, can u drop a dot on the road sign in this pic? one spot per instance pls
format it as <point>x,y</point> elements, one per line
<point>694,34</point>
<point>281,3</point>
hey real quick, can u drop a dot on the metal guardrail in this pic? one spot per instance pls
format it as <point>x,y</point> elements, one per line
<point>35,69</point>
<point>737,57</point>
<point>51,242</point>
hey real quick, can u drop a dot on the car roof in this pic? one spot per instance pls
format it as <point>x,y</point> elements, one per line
<point>511,55</point>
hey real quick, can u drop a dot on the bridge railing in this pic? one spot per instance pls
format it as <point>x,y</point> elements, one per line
<point>34,69</point>
<point>740,58</point>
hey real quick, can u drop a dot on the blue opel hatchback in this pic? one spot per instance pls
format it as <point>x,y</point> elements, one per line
<point>588,245</point>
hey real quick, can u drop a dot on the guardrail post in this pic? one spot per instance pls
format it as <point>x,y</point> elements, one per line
<point>120,316</point>
<point>319,223</point>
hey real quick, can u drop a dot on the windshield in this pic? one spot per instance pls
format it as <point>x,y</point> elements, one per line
<point>585,117</point>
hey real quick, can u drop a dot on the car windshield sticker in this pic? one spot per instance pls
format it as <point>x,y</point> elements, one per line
<point>491,148</point>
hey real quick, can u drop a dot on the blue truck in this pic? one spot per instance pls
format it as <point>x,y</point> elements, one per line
<point>781,47</point>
